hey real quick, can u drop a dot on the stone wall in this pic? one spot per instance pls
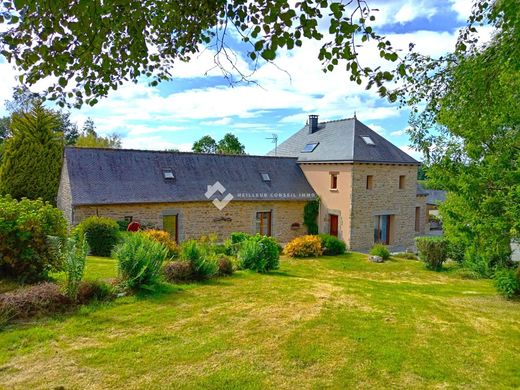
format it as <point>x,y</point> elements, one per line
<point>64,199</point>
<point>200,218</point>
<point>385,198</point>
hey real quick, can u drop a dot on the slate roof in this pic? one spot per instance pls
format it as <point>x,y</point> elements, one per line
<point>341,141</point>
<point>118,176</point>
<point>435,197</point>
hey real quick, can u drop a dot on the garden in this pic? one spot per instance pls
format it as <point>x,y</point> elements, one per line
<point>105,308</point>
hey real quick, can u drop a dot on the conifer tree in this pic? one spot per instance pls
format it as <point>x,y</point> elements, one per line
<point>32,157</point>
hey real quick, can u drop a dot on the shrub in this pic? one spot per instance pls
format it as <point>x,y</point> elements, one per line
<point>203,263</point>
<point>123,225</point>
<point>381,251</point>
<point>507,282</point>
<point>178,271</point>
<point>140,260</point>
<point>234,243</point>
<point>304,246</point>
<point>102,234</point>
<point>238,237</point>
<point>259,253</point>
<point>40,299</point>
<point>165,239</point>
<point>25,252</point>
<point>433,251</point>
<point>96,290</point>
<point>225,266</point>
<point>332,245</point>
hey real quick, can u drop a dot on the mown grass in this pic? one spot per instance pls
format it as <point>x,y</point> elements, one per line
<point>337,322</point>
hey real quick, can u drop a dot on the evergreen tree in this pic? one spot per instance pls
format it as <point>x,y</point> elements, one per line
<point>32,157</point>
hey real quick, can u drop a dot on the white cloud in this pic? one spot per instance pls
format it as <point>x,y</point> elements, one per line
<point>154,143</point>
<point>377,128</point>
<point>413,10</point>
<point>397,133</point>
<point>219,122</point>
<point>412,152</point>
<point>462,8</point>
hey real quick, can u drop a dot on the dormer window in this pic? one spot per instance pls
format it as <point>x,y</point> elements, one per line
<point>368,140</point>
<point>265,177</point>
<point>168,174</point>
<point>310,147</point>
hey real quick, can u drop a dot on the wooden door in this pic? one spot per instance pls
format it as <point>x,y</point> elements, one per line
<point>333,229</point>
<point>170,225</point>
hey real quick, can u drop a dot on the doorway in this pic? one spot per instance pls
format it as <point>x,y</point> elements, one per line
<point>171,225</point>
<point>333,228</point>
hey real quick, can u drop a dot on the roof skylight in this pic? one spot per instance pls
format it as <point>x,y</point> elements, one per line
<point>310,147</point>
<point>265,177</point>
<point>168,174</point>
<point>368,140</point>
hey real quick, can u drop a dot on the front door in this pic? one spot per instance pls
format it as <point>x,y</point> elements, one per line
<point>170,225</point>
<point>333,225</point>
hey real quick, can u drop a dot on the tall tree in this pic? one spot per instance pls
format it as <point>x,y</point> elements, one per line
<point>230,145</point>
<point>32,158</point>
<point>205,145</point>
<point>89,127</point>
<point>90,140</point>
<point>470,133</point>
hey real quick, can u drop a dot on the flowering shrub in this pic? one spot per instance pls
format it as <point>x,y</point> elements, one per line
<point>165,239</point>
<point>304,246</point>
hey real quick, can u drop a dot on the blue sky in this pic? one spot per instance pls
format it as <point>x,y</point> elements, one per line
<point>199,101</point>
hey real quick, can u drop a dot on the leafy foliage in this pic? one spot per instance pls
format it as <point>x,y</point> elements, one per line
<point>140,261</point>
<point>165,239</point>
<point>259,253</point>
<point>381,251</point>
<point>32,157</point>
<point>25,251</point>
<point>310,216</point>
<point>433,251</point>
<point>95,141</point>
<point>332,245</point>
<point>102,234</point>
<point>470,135</point>
<point>203,262</point>
<point>304,246</point>
<point>225,266</point>
<point>507,282</point>
<point>90,57</point>
<point>227,145</point>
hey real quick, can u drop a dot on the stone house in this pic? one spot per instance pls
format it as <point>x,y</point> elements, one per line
<point>367,188</point>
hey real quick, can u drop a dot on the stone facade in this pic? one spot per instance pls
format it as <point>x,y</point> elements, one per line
<point>384,198</point>
<point>356,206</point>
<point>200,218</point>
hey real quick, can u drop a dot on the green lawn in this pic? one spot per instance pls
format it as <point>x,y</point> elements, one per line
<point>328,323</point>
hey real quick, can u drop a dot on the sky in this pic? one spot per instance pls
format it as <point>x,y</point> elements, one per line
<point>199,101</point>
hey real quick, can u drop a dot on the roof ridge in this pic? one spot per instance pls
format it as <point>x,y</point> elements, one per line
<point>176,152</point>
<point>339,120</point>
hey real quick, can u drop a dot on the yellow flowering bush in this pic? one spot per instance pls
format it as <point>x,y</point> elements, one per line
<point>304,246</point>
<point>165,239</point>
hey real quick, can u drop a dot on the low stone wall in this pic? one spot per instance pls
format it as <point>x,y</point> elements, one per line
<point>201,218</point>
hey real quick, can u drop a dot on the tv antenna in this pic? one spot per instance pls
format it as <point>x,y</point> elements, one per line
<point>274,140</point>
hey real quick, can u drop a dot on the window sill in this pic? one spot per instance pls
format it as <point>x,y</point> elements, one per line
<point>333,190</point>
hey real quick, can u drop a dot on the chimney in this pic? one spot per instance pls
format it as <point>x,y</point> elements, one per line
<point>313,123</point>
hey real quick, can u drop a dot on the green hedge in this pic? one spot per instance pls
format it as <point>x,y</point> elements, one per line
<point>102,234</point>
<point>332,245</point>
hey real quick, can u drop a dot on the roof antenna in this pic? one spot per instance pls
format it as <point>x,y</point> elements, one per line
<point>274,140</point>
